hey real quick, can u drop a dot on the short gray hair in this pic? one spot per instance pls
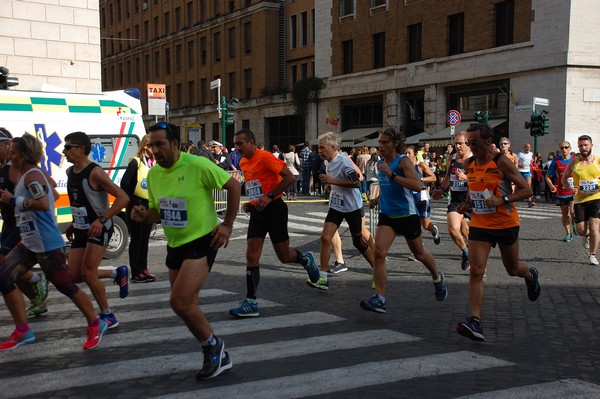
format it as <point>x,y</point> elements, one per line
<point>332,139</point>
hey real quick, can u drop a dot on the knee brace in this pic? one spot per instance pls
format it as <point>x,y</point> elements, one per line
<point>360,243</point>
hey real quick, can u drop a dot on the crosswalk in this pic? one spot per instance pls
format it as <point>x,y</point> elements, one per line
<point>284,362</point>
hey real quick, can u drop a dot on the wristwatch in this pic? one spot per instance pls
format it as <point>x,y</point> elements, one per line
<point>505,199</point>
<point>102,219</point>
<point>393,175</point>
<point>271,195</point>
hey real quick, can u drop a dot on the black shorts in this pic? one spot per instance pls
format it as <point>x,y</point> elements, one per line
<point>353,218</point>
<point>196,249</point>
<point>584,211</point>
<point>562,201</point>
<point>452,208</point>
<point>272,220</point>
<point>409,226</point>
<point>82,239</point>
<point>494,236</point>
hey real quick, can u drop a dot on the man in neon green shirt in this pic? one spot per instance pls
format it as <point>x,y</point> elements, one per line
<point>180,197</point>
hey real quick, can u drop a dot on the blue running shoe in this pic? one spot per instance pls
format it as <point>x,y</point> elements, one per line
<point>311,268</point>
<point>122,280</point>
<point>440,288</point>
<point>216,360</point>
<point>471,328</point>
<point>110,320</point>
<point>248,308</point>
<point>17,339</point>
<point>375,304</point>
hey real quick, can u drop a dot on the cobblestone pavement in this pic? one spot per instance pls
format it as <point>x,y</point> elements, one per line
<point>309,342</point>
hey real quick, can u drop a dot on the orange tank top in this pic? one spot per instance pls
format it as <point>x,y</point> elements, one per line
<point>488,177</point>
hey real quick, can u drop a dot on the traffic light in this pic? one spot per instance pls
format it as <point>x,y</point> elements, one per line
<point>481,117</point>
<point>543,123</point>
<point>227,110</point>
<point>7,81</point>
<point>534,125</point>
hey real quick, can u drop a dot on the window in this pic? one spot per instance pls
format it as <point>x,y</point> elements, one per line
<point>304,70</point>
<point>379,50</point>
<point>146,31</point>
<point>203,88</point>
<point>247,37</point>
<point>167,61</point>
<point>312,26</point>
<point>231,6</point>
<point>103,18</point>
<point>201,11</point>
<point>505,20</point>
<point>178,56</point>
<point>121,75</point>
<point>156,64</point>
<point>217,46</point>
<point>190,54</point>
<point>293,74</point>
<point>231,42</point>
<point>414,42</point>
<point>156,33</point>
<point>128,37</point>
<point>347,55</point>
<point>136,35</point>
<point>248,83</point>
<point>118,10</point>
<point>456,34</point>
<point>147,66</point>
<point>136,6</point>
<point>203,51</point>
<point>178,95</point>
<point>346,7</point>
<point>177,19</point>
<point>120,40</point>
<point>377,3</point>
<point>190,13</point>
<point>128,72</point>
<point>112,76</point>
<point>167,23</point>
<point>231,83</point>
<point>217,7</point>
<point>191,92</point>
<point>293,32</point>
<point>138,69</point>
<point>304,28</point>
<point>110,15</point>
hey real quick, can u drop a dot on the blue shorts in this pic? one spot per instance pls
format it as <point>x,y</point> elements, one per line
<point>526,175</point>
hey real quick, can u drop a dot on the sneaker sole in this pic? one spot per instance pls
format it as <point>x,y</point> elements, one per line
<point>32,316</point>
<point>111,326</point>
<point>366,306</point>
<point>24,342</point>
<point>467,332</point>
<point>338,271</point>
<point>439,298</point>
<point>241,316</point>
<point>321,287</point>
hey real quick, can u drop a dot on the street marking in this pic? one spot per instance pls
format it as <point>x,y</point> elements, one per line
<point>168,364</point>
<point>118,340</point>
<point>344,378</point>
<point>46,323</point>
<point>568,388</point>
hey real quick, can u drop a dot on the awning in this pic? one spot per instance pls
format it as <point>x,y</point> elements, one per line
<point>443,137</point>
<point>351,136</point>
<point>414,139</point>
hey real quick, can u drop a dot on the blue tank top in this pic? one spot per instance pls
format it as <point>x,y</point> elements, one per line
<point>39,231</point>
<point>395,200</point>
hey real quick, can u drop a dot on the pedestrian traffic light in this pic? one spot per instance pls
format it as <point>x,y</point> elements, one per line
<point>482,117</point>
<point>543,122</point>
<point>229,114</point>
<point>534,125</point>
<point>7,81</point>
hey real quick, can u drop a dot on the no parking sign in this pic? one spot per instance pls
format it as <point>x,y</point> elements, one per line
<point>453,118</point>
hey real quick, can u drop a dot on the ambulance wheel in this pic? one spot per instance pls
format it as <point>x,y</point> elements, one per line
<point>119,240</point>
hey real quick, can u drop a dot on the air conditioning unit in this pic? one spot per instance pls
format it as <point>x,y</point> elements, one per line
<point>144,6</point>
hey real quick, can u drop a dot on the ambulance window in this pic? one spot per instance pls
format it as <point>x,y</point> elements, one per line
<point>103,148</point>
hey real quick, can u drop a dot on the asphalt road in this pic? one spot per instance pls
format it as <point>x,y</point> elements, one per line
<point>308,342</point>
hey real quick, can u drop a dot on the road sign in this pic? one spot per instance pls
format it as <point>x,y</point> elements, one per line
<point>157,98</point>
<point>453,117</point>
<point>541,101</point>
<point>215,83</point>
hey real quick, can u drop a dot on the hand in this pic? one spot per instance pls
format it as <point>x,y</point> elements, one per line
<point>220,236</point>
<point>139,213</point>
<point>261,203</point>
<point>95,228</point>
<point>5,196</point>
<point>70,232</point>
<point>384,168</point>
<point>324,178</point>
<point>464,207</point>
<point>437,194</point>
<point>247,207</point>
<point>373,202</point>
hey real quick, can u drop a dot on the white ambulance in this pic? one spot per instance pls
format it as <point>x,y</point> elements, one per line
<point>112,120</point>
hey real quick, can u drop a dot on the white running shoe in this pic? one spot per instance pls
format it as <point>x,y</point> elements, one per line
<point>586,242</point>
<point>593,260</point>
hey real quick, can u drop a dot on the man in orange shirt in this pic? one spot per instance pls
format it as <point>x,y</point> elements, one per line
<point>267,177</point>
<point>494,221</point>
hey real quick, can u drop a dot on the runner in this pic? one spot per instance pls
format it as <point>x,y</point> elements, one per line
<point>585,169</point>
<point>495,221</point>
<point>345,203</point>
<point>456,181</point>
<point>398,215</point>
<point>180,197</point>
<point>267,177</point>
<point>41,242</point>
<point>422,197</point>
<point>88,187</point>
<point>563,195</point>
<point>524,161</point>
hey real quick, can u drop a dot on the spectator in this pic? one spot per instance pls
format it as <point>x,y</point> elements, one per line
<point>305,164</point>
<point>204,150</point>
<point>222,159</point>
<point>293,164</point>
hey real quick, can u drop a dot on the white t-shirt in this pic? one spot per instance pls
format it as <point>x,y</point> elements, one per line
<point>524,161</point>
<point>343,199</point>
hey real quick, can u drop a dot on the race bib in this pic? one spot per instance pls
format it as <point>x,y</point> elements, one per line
<point>336,201</point>
<point>253,189</point>
<point>478,203</point>
<point>571,182</point>
<point>173,212</point>
<point>81,220</point>
<point>424,195</point>
<point>458,185</point>
<point>26,224</point>
<point>588,186</point>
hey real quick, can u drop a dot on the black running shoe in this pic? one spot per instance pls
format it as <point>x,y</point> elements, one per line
<point>471,328</point>
<point>216,360</point>
<point>533,286</point>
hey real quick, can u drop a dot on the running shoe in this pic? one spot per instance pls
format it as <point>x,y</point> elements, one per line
<point>586,242</point>
<point>109,319</point>
<point>436,235</point>
<point>530,204</point>
<point>440,288</point>
<point>37,310</point>
<point>533,286</point>
<point>574,228</point>
<point>122,280</point>
<point>140,278</point>
<point>248,308</point>
<point>337,268</point>
<point>311,267</point>
<point>18,339</point>
<point>375,304</point>
<point>40,289</point>
<point>471,328</point>
<point>593,260</point>
<point>216,360</point>
<point>411,257</point>
<point>322,284</point>
<point>151,277</point>
<point>568,238</point>
<point>465,264</point>
<point>95,334</point>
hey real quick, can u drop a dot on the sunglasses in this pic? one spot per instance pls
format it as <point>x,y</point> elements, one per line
<point>504,143</point>
<point>69,146</point>
<point>565,147</point>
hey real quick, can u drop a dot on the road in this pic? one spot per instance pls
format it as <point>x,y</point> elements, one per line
<point>309,342</point>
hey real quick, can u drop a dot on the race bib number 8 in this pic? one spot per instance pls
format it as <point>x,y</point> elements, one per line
<point>478,203</point>
<point>588,186</point>
<point>253,189</point>
<point>173,212</point>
